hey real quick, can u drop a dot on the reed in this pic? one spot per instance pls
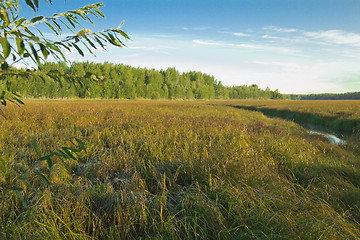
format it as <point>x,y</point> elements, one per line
<point>174,170</point>
<point>340,116</point>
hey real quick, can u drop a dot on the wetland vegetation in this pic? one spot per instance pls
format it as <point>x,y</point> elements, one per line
<point>173,170</point>
<point>339,117</point>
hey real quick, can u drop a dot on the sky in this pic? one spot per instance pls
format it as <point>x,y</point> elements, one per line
<point>295,46</point>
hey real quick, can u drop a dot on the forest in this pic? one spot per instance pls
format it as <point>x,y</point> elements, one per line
<point>329,96</point>
<point>118,81</point>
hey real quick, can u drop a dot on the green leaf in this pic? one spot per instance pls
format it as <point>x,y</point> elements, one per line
<point>34,52</point>
<point>44,51</point>
<point>67,26</point>
<point>20,196</point>
<point>31,5</point>
<point>90,42</point>
<point>57,26</point>
<point>39,174</point>
<point>52,28</point>
<point>4,15</point>
<point>5,46</point>
<point>121,24</point>
<point>75,150</point>
<point>12,100</point>
<point>68,152</point>
<point>36,2</point>
<point>79,50</point>
<point>48,160</point>
<point>81,143</point>
<point>18,100</point>
<point>81,33</point>
<point>34,143</point>
<point>70,21</point>
<point>4,66</point>
<point>61,154</point>
<point>16,94</point>
<point>99,42</point>
<point>42,78</point>
<point>20,46</point>
<point>99,12</point>
<point>121,32</point>
<point>36,19</point>
<point>42,35</point>
<point>14,188</point>
<point>32,35</point>
<point>19,22</point>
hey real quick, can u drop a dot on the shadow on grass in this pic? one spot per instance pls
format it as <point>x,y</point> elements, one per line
<point>334,125</point>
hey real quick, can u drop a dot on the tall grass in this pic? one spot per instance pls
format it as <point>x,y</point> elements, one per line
<point>175,170</point>
<point>342,116</point>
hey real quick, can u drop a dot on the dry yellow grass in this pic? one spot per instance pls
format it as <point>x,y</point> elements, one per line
<point>174,170</point>
<point>341,116</point>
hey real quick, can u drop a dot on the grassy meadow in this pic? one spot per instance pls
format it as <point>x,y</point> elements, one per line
<point>173,170</point>
<point>341,116</point>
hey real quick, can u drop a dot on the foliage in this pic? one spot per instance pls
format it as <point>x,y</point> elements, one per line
<point>177,170</point>
<point>121,81</point>
<point>22,40</point>
<point>22,178</point>
<point>329,96</point>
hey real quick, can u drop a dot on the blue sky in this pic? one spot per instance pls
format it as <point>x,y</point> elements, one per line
<point>296,46</point>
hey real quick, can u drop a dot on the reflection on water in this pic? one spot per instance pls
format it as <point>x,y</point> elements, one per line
<point>332,138</point>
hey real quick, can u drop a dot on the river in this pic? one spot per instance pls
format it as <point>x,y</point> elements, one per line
<point>330,137</point>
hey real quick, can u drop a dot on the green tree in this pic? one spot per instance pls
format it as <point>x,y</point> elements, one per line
<point>21,40</point>
<point>276,95</point>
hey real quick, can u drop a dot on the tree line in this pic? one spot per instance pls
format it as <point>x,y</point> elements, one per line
<point>329,96</point>
<point>118,81</point>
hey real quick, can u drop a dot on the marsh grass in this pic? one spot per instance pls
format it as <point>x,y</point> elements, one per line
<point>175,170</point>
<point>342,117</point>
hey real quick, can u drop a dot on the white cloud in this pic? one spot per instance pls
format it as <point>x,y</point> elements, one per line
<point>153,49</point>
<point>240,34</point>
<point>336,37</point>
<point>224,44</point>
<point>287,66</point>
<point>278,29</point>
<point>206,43</point>
<point>196,28</point>
<point>271,37</point>
<point>133,55</point>
<point>237,34</point>
<point>246,46</point>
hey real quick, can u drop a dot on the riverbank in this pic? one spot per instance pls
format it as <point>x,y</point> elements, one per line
<point>341,118</point>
